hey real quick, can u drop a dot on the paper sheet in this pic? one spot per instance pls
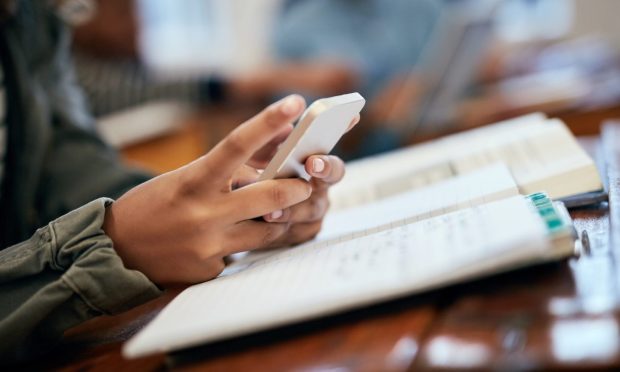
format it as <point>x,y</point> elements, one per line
<point>542,155</point>
<point>326,277</point>
<point>481,186</point>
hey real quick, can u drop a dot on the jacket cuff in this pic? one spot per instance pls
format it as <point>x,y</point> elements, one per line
<point>86,255</point>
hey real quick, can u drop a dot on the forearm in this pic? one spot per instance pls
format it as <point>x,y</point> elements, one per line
<point>66,273</point>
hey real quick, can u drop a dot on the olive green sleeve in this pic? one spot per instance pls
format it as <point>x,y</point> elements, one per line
<point>66,273</point>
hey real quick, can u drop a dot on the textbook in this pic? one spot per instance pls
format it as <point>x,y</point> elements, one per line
<point>541,154</point>
<point>457,229</point>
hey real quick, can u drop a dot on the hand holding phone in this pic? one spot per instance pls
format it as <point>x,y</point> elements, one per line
<point>317,132</point>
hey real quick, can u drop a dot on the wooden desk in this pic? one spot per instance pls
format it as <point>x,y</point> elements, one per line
<point>557,316</point>
<point>197,134</point>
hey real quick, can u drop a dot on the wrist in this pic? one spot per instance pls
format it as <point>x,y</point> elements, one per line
<point>110,228</point>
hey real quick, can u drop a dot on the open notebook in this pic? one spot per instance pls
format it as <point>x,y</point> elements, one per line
<point>458,229</point>
<point>541,154</point>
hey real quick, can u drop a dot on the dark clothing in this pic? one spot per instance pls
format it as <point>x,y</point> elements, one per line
<point>67,271</point>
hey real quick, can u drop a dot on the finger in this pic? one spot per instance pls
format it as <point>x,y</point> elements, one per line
<point>250,235</point>
<point>281,215</point>
<point>245,175</point>
<point>297,234</point>
<point>261,158</point>
<point>237,148</point>
<point>327,168</point>
<point>261,198</point>
<point>310,210</point>
<point>353,122</point>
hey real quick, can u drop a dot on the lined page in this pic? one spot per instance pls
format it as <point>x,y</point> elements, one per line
<point>372,178</point>
<point>541,155</point>
<point>323,278</point>
<point>481,186</point>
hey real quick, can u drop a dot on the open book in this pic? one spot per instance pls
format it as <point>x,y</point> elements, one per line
<point>457,229</point>
<point>541,154</point>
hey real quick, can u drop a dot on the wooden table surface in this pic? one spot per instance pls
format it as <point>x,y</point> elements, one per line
<point>556,316</point>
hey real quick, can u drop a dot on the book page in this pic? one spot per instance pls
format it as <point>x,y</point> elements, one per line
<point>541,155</point>
<point>421,165</point>
<point>481,186</point>
<point>327,277</point>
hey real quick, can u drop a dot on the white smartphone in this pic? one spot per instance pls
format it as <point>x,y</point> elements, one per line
<point>317,132</point>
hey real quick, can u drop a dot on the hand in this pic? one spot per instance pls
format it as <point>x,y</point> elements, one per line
<point>304,219</point>
<point>178,227</point>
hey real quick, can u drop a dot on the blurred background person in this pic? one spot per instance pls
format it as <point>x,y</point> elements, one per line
<point>381,40</point>
<point>116,76</point>
<point>320,49</point>
<point>426,67</point>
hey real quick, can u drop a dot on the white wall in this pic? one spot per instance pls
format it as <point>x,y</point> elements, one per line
<point>601,17</point>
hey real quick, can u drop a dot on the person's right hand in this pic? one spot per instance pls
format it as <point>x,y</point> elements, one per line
<point>179,226</point>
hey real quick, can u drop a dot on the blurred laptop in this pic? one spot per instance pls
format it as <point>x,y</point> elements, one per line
<point>465,31</point>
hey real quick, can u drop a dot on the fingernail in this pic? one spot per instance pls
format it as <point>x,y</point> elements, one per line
<point>290,105</point>
<point>318,165</point>
<point>276,214</point>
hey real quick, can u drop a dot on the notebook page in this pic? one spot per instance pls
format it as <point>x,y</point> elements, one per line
<point>540,157</point>
<point>421,165</point>
<point>319,279</point>
<point>394,163</point>
<point>390,162</point>
<point>481,186</point>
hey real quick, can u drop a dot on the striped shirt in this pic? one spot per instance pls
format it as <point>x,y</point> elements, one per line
<point>113,85</point>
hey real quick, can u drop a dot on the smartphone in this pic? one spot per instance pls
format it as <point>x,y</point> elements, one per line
<point>318,130</point>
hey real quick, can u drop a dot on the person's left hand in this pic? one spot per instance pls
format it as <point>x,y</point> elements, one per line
<point>304,219</point>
